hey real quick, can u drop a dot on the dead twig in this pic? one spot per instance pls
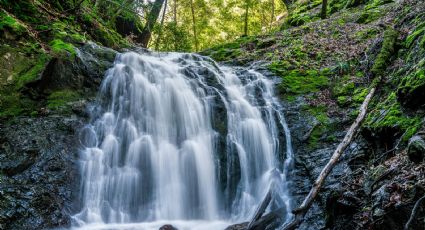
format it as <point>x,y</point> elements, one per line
<point>414,212</point>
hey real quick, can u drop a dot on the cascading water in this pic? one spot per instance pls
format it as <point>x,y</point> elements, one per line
<point>176,139</point>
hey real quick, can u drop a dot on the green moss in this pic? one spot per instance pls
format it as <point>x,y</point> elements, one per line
<point>386,52</point>
<point>33,73</point>
<point>323,127</point>
<point>422,43</point>
<point>342,100</point>
<point>389,115</point>
<point>420,29</point>
<point>13,104</point>
<point>411,89</point>
<point>319,112</point>
<point>60,47</point>
<point>301,12</point>
<point>17,68</point>
<point>411,82</point>
<point>102,33</point>
<point>342,89</point>
<point>8,22</point>
<point>66,32</point>
<point>367,33</point>
<point>360,94</point>
<point>229,51</point>
<point>295,82</point>
<point>59,99</point>
<point>376,3</point>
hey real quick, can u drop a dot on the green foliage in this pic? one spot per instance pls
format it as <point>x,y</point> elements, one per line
<point>173,37</point>
<point>217,22</point>
<point>386,52</point>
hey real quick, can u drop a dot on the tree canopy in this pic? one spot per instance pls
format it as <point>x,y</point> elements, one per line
<point>197,24</point>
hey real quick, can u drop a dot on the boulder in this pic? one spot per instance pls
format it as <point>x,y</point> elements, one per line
<point>83,72</point>
<point>168,227</point>
<point>416,149</point>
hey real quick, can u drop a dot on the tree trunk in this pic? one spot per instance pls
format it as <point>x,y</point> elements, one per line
<point>324,9</point>
<point>158,40</point>
<point>194,25</point>
<point>175,11</point>
<point>245,30</point>
<point>272,16</point>
<point>151,20</point>
<point>308,201</point>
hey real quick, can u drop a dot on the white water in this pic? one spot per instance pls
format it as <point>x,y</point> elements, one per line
<point>175,139</point>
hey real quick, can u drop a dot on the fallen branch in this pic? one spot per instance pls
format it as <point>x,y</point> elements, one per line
<point>308,201</point>
<point>270,220</point>
<point>261,209</point>
<point>414,212</point>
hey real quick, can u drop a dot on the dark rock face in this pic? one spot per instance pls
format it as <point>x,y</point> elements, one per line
<point>39,173</point>
<point>83,72</point>
<point>416,149</point>
<point>334,206</point>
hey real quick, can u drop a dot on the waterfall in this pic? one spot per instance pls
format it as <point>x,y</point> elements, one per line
<point>177,139</point>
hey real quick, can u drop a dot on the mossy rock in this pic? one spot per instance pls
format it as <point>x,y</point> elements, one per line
<point>419,31</point>
<point>59,100</point>
<point>10,28</point>
<point>61,48</point>
<point>101,33</point>
<point>411,91</point>
<point>296,82</point>
<point>416,149</point>
<point>389,115</point>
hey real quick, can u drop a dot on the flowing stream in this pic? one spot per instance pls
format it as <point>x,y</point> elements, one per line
<point>177,139</point>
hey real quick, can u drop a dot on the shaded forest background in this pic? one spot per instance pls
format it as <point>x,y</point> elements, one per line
<point>176,25</point>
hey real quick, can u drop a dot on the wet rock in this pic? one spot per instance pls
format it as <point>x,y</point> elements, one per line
<point>39,175</point>
<point>168,227</point>
<point>380,198</point>
<point>241,226</point>
<point>416,149</point>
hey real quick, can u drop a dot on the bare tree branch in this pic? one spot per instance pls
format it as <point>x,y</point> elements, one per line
<point>308,201</point>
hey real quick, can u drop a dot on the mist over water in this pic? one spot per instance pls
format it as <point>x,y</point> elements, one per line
<point>177,139</point>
